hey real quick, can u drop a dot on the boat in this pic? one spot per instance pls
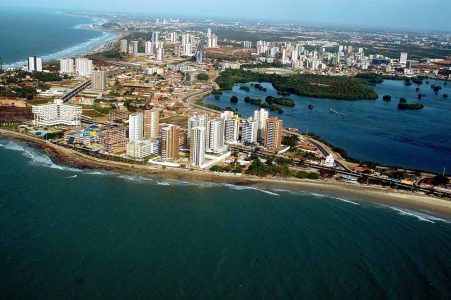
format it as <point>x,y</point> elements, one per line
<point>333,111</point>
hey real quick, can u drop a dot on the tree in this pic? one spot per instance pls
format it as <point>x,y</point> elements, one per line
<point>387,97</point>
<point>234,99</point>
<point>202,76</point>
<point>440,180</point>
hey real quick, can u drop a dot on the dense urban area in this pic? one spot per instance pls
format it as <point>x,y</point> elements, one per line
<point>138,99</point>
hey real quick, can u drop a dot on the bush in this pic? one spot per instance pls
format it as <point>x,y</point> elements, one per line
<point>202,76</point>
<point>234,99</point>
<point>387,97</point>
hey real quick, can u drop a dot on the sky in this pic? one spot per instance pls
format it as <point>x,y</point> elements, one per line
<point>401,14</point>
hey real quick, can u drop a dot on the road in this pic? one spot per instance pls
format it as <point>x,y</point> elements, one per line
<point>76,90</point>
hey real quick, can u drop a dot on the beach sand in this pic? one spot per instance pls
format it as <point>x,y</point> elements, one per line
<point>371,193</point>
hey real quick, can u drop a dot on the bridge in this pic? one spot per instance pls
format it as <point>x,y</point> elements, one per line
<point>76,90</point>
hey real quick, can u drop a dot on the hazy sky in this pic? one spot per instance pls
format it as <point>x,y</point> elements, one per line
<point>410,14</point>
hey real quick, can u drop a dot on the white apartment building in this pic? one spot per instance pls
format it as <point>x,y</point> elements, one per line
<point>196,121</point>
<point>155,36</point>
<point>83,66</point>
<point>232,130</point>
<point>148,48</point>
<point>123,46</point>
<point>187,50</point>
<point>34,64</point>
<point>98,80</point>
<point>67,66</point>
<point>249,129</point>
<point>142,149</point>
<point>56,113</point>
<point>197,146</point>
<point>159,56</point>
<point>135,127</point>
<point>173,37</point>
<point>215,136</point>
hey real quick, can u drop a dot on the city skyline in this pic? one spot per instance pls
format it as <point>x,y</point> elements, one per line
<point>353,13</point>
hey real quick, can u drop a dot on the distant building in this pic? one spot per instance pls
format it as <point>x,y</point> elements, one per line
<point>249,131</point>
<point>403,58</point>
<point>123,46</point>
<point>273,134</point>
<point>197,146</point>
<point>159,56</point>
<point>83,66</point>
<point>56,113</point>
<point>247,44</point>
<point>170,142</point>
<point>151,123</point>
<point>34,64</point>
<point>173,37</point>
<point>133,47</point>
<point>98,80</point>
<point>155,37</point>
<point>148,48</point>
<point>135,127</point>
<point>67,66</point>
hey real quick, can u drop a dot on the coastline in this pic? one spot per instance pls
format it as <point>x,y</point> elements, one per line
<point>90,46</point>
<point>364,193</point>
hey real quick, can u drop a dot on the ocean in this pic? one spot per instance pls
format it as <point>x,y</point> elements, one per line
<point>72,234</point>
<point>51,35</point>
<point>371,130</point>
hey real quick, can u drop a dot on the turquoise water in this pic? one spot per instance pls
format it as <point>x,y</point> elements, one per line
<point>71,234</point>
<point>52,35</point>
<point>372,130</point>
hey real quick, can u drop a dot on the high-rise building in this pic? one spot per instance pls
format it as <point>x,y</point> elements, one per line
<point>273,134</point>
<point>173,37</point>
<point>67,66</point>
<point>187,50</point>
<point>98,80</point>
<point>247,44</point>
<point>215,135</point>
<point>212,41</point>
<point>403,58</point>
<point>133,47</point>
<point>135,127</point>
<point>249,129</point>
<point>155,37</point>
<point>160,52</point>
<point>261,116</point>
<point>34,64</point>
<point>123,46</point>
<point>83,66</point>
<point>197,146</point>
<point>56,113</point>
<point>232,130</point>
<point>196,121</point>
<point>151,123</point>
<point>170,142</point>
<point>148,48</point>
<point>186,39</point>
<point>114,139</point>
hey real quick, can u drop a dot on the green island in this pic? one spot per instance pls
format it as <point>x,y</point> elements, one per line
<point>260,103</point>
<point>245,88</point>
<point>280,101</point>
<point>309,85</point>
<point>410,106</point>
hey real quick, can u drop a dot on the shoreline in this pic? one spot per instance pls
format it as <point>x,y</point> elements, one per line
<point>361,193</point>
<point>87,47</point>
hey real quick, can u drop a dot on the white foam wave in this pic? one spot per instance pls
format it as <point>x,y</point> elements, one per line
<point>74,50</point>
<point>163,183</point>
<point>345,200</point>
<point>422,217</point>
<point>137,179</point>
<point>240,188</point>
<point>73,176</point>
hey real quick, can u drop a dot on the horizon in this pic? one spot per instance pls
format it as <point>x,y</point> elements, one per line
<point>361,14</point>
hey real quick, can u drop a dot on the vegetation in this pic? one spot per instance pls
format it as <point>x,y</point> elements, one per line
<point>291,140</point>
<point>258,168</point>
<point>308,175</point>
<point>261,65</point>
<point>43,76</point>
<point>440,180</point>
<point>245,88</point>
<point>280,101</point>
<point>202,76</point>
<point>371,78</point>
<point>310,85</point>
<point>387,97</point>
<point>234,99</point>
<point>410,106</point>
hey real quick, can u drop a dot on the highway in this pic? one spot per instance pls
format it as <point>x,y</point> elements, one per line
<point>76,90</point>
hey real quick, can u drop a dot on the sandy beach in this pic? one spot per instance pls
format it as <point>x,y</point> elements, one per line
<point>369,193</point>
